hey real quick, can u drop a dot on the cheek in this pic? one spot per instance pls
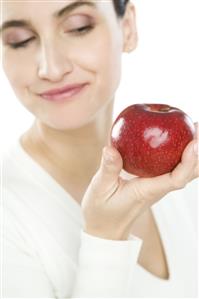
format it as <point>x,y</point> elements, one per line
<point>109,65</point>
<point>18,72</point>
<point>103,59</point>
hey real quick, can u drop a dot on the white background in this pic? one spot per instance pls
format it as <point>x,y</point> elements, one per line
<point>164,68</point>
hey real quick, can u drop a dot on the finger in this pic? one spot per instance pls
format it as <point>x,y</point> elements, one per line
<point>150,190</point>
<point>196,135</point>
<point>185,170</point>
<point>106,180</point>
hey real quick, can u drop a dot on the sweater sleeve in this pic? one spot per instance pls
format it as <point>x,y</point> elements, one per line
<point>105,266</point>
<point>102,268</point>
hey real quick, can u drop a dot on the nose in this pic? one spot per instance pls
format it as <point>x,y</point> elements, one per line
<point>53,63</point>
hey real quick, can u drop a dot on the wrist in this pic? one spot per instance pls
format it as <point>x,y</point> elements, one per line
<point>109,235</point>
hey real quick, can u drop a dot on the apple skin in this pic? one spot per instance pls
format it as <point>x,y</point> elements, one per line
<point>151,138</point>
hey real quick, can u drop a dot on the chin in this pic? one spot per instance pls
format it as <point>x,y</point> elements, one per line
<point>67,124</point>
<point>76,116</point>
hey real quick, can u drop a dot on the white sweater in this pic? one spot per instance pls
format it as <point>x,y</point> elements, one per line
<point>47,254</point>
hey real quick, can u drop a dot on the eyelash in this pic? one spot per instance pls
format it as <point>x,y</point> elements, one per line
<point>78,32</point>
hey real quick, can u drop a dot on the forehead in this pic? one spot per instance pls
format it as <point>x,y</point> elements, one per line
<point>38,14</point>
<point>14,8</point>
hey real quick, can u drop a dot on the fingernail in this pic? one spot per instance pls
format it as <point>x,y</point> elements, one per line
<point>195,148</point>
<point>108,157</point>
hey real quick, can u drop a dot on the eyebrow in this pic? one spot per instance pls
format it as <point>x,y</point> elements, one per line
<point>57,15</point>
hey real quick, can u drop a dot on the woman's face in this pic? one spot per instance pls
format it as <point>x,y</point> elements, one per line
<point>67,42</point>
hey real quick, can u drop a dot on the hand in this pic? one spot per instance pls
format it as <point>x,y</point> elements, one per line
<point>111,204</point>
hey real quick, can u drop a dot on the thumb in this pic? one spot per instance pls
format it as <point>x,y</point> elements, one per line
<point>111,162</point>
<point>107,177</point>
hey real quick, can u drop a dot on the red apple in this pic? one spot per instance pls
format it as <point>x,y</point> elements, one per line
<point>151,138</point>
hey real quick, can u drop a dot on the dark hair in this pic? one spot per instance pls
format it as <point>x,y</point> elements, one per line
<point>120,7</point>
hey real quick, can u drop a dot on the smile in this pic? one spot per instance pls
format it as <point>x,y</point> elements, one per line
<point>68,94</point>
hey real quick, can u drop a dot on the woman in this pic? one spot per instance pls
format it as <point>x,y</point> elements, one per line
<point>73,226</point>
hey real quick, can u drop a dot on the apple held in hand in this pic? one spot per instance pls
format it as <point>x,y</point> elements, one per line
<point>151,138</point>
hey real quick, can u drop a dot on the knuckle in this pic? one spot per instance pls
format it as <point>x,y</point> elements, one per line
<point>179,183</point>
<point>197,171</point>
<point>139,195</point>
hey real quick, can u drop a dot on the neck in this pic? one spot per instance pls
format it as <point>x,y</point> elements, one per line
<point>74,154</point>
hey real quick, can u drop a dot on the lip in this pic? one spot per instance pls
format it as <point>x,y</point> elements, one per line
<point>63,93</point>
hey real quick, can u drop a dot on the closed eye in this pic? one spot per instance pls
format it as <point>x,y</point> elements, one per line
<point>78,31</point>
<point>82,30</point>
<point>21,44</point>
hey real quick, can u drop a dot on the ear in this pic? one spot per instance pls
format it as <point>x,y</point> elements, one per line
<point>129,29</point>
